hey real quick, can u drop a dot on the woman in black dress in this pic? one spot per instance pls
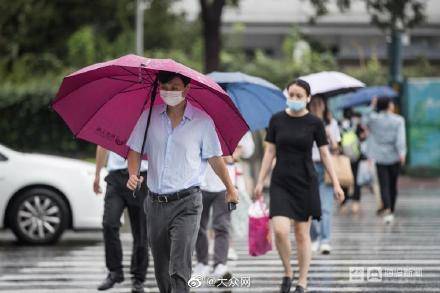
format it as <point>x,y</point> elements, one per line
<point>294,188</point>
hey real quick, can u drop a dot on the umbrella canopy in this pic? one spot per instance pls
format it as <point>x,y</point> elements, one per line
<point>256,98</point>
<point>365,95</point>
<point>331,83</point>
<point>101,103</point>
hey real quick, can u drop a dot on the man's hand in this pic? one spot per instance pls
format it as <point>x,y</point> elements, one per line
<point>232,196</point>
<point>258,191</point>
<point>96,187</point>
<point>133,182</point>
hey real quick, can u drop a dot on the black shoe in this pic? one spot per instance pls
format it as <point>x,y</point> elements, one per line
<point>299,289</point>
<point>285,285</point>
<point>111,280</point>
<point>137,286</point>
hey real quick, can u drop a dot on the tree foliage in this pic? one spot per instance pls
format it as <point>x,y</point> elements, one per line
<point>385,14</point>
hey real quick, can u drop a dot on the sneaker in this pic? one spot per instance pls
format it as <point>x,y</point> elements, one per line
<point>388,218</point>
<point>221,275</point>
<point>325,248</point>
<point>220,270</point>
<point>232,255</point>
<point>201,270</point>
<point>315,246</point>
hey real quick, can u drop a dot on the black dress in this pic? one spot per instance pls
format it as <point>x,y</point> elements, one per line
<point>294,188</point>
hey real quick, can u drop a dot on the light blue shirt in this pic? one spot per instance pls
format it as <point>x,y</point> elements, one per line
<point>177,157</point>
<point>116,162</point>
<point>386,142</point>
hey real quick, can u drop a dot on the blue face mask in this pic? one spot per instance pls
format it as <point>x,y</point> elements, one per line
<point>295,106</point>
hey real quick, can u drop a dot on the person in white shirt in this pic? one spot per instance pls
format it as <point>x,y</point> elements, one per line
<point>213,191</point>
<point>117,198</point>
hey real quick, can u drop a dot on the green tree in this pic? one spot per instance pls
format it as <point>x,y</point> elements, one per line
<point>211,15</point>
<point>385,14</point>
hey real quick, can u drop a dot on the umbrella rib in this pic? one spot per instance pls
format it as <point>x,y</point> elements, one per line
<point>151,78</point>
<point>229,149</point>
<point>121,79</point>
<point>99,108</point>
<point>110,77</point>
<point>125,69</point>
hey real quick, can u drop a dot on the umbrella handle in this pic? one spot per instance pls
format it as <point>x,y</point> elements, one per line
<point>138,187</point>
<point>152,99</point>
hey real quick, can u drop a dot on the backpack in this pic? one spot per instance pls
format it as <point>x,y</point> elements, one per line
<point>350,145</point>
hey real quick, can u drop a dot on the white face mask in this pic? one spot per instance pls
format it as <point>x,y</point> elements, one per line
<point>171,98</point>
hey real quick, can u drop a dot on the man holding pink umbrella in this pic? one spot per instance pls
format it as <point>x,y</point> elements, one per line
<point>179,147</point>
<point>107,104</point>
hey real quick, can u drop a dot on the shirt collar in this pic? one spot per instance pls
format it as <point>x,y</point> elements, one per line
<point>188,114</point>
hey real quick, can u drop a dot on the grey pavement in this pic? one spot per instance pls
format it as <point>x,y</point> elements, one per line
<point>367,256</point>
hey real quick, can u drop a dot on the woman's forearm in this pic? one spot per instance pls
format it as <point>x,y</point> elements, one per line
<point>328,164</point>
<point>269,156</point>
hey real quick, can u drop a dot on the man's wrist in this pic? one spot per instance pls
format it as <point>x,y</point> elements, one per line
<point>230,188</point>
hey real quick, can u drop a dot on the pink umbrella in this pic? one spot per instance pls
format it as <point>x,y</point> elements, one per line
<point>101,103</point>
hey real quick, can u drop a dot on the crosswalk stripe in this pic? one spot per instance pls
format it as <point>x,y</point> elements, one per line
<point>361,241</point>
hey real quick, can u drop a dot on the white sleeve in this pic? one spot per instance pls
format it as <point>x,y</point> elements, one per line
<point>247,145</point>
<point>211,146</point>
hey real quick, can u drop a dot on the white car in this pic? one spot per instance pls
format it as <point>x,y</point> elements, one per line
<point>42,195</point>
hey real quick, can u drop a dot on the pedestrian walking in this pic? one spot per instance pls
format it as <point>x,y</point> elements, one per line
<point>179,146</point>
<point>320,231</point>
<point>117,199</point>
<point>294,194</point>
<point>386,145</point>
<point>213,191</point>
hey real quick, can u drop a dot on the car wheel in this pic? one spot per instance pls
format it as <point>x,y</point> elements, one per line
<point>38,216</point>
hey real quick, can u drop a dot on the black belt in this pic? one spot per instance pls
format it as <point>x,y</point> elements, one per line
<point>164,198</point>
<point>124,172</point>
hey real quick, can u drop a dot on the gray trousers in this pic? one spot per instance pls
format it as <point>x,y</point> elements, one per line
<point>221,223</point>
<point>172,233</point>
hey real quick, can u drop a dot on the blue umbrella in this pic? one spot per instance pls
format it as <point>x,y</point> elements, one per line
<point>364,96</point>
<point>256,98</point>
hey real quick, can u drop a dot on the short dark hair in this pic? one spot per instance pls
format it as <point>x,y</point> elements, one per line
<point>301,83</point>
<point>383,104</point>
<point>347,113</point>
<point>166,76</point>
